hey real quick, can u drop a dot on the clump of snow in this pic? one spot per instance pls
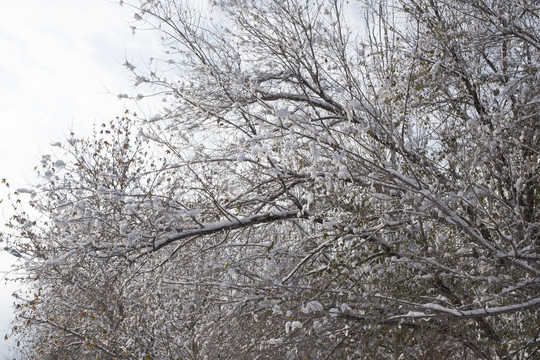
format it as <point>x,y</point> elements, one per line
<point>274,341</point>
<point>282,113</point>
<point>290,326</point>
<point>312,306</point>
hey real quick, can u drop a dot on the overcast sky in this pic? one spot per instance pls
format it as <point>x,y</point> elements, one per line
<point>60,67</point>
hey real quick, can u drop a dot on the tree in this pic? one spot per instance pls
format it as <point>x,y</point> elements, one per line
<point>325,183</point>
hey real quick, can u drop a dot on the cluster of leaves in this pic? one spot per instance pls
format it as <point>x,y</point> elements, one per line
<point>315,190</point>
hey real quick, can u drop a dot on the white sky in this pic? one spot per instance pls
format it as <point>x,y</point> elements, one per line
<point>60,61</point>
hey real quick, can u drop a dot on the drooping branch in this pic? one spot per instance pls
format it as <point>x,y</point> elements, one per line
<point>223,226</point>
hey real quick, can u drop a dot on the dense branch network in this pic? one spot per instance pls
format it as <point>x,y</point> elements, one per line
<point>324,180</point>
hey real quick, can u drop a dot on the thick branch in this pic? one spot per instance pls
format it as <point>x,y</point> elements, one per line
<point>221,226</point>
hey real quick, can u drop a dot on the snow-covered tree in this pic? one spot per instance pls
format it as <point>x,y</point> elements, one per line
<point>325,180</point>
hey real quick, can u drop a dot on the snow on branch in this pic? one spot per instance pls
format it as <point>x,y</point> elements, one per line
<point>531,304</point>
<point>221,226</point>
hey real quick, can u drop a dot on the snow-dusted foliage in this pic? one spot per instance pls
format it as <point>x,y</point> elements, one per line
<point>325,181</point>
